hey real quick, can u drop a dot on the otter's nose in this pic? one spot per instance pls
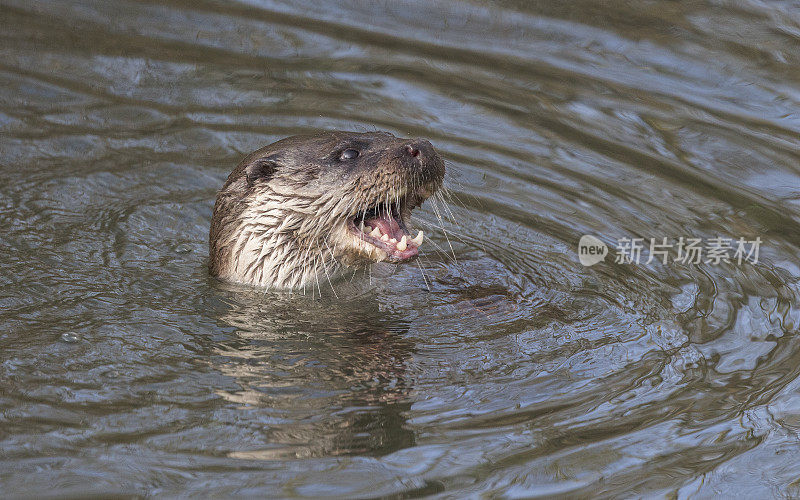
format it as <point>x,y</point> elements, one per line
<point>419,157</point>
<point>418,147</point>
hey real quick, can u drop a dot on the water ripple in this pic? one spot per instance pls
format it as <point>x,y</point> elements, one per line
<point>496,366</point>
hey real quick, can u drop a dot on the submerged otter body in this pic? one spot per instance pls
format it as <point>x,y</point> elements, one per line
<point>298,211</point>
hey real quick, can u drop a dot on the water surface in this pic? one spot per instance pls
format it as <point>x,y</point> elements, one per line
<point>499,365</point>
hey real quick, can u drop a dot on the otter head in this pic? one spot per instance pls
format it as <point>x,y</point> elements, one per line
<point>297,211</point>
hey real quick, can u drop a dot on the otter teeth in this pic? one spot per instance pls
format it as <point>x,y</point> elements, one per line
<point>401,245</point>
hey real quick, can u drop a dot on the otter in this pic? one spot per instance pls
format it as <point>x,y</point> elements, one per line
<point>305,208</point>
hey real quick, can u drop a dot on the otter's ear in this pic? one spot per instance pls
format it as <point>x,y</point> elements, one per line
<point>260,169</point>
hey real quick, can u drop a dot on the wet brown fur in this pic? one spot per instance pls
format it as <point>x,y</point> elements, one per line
<point>280,220</point>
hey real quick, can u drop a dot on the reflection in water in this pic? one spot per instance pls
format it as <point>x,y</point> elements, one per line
<point>499,366</point>
<point>332,381</point>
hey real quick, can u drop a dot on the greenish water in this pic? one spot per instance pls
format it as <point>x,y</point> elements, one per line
<point>499,366</point>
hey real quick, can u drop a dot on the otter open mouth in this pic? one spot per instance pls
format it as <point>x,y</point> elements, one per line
<point>383,227</point>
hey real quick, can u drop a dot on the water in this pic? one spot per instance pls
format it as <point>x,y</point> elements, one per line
<point>499,366</point>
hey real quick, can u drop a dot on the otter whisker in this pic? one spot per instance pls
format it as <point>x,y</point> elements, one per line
<point>307,264</point>
<point>424,278</point>
<point>440,196</point>
<point>462,237</point>
<point>325,267</point>
<point>452,220</point>
<point>441,226</point>
<point>448,194</point>
<point>441,251</point>
<point>316,277</point>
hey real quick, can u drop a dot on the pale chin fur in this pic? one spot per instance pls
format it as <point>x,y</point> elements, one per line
<point>276,247</point>
<point>283,248</point>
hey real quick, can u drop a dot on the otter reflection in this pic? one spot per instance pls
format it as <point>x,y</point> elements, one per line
<point>330,377</point>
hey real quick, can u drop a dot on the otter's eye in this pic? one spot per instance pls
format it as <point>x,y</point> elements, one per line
<point>349,154</point>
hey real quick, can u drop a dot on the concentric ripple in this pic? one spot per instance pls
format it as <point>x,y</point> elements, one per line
<point>494,365</point>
